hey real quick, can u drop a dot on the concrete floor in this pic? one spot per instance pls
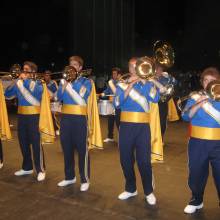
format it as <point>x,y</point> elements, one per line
<point>25,198</point>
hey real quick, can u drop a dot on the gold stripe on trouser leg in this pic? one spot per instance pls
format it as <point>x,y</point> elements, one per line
<point>86,166</point>
<point>86,159</point>
<point>41,158</point>
<point>153,181</point>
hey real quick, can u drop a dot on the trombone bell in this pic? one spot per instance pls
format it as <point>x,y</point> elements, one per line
<point>145,68</point>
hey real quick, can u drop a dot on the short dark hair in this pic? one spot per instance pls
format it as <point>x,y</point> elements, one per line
<point>47,72</point>
<point>118,70</point>
<point>32,65</point>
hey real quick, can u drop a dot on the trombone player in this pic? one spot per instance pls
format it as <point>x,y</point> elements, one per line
<point>202,110</point>
<point>133,98</point>
<point>76,93</point>
<point>29,94</point>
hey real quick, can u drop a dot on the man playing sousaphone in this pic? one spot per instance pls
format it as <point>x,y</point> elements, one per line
<point>80,126</point>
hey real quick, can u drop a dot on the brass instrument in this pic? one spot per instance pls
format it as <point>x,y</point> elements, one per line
<point>163,53</point>
<point>212,92</point>
<point>70,73</point>
<point>145,67</point>
<point>15,70</point>
<point>125,78</point>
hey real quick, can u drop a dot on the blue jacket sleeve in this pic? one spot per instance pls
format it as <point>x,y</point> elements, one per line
<point>107,91</point>
<point>185,113</point>
<point>60,92</point>
<point>119,98</point>
<point>11,92</point>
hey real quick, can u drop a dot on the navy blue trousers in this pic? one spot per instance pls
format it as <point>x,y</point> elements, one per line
<point>28,134</point>
<point>201,153</point>
<point>73,134</point>
<point>163,111</point>
<point>112,119</point>
<point>1,152</point>
<point>135,142</point>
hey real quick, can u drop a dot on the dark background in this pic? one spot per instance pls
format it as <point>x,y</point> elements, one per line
<point>107,33</point>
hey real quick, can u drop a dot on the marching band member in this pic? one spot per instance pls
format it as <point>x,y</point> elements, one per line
<point>163,78</point>
<point>51,84</point>
<point>75,124</point>
<point>5,132</point>
<point>52,89</point>
<point>110,90</point>
<point>29,95</point>
<point>204,144</point>
<point>134,135</point>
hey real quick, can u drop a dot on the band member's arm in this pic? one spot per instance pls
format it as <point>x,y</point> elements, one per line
<point>119,97</point>
<point>55,85</point>
<point>188,111</point>
<point>11,91</point>
<point>61,89</point>
<point>161,88</point>
<point>153,93</point>
<point>107,91</point>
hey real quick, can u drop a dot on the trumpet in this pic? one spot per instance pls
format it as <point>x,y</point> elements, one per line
<point>212,92</point>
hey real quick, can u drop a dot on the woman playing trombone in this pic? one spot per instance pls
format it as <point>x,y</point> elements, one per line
<point>203,113</point>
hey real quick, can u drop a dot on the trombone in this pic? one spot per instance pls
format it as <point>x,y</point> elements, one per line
<point>145,68</point>
<point>211,92</point>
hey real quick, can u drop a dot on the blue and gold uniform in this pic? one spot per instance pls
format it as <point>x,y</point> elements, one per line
<point>29,94</point>
<point>203,146</point>
<point>52,88</point>
<point>164,79</point>
<point>111,90</point>
<point>134,133</point>
<point>73,127</point>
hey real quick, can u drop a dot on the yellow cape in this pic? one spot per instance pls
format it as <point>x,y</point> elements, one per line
<point>172,112</point>
<point>94,130</point>
<point>5,132</point>
<point>46,122</point>
<point>156,139</point>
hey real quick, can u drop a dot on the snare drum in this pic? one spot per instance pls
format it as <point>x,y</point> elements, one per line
<point>55,106</point>
<point>106,107</point>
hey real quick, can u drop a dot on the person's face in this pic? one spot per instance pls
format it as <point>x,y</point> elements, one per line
<point>159,70</point>
<point>47,77</point>
<point>131,67</point>
<point>207,79</point>
<point>27,68</point>
<point>76,65</point>
<point>26,71</point>
<point>114,75</point>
